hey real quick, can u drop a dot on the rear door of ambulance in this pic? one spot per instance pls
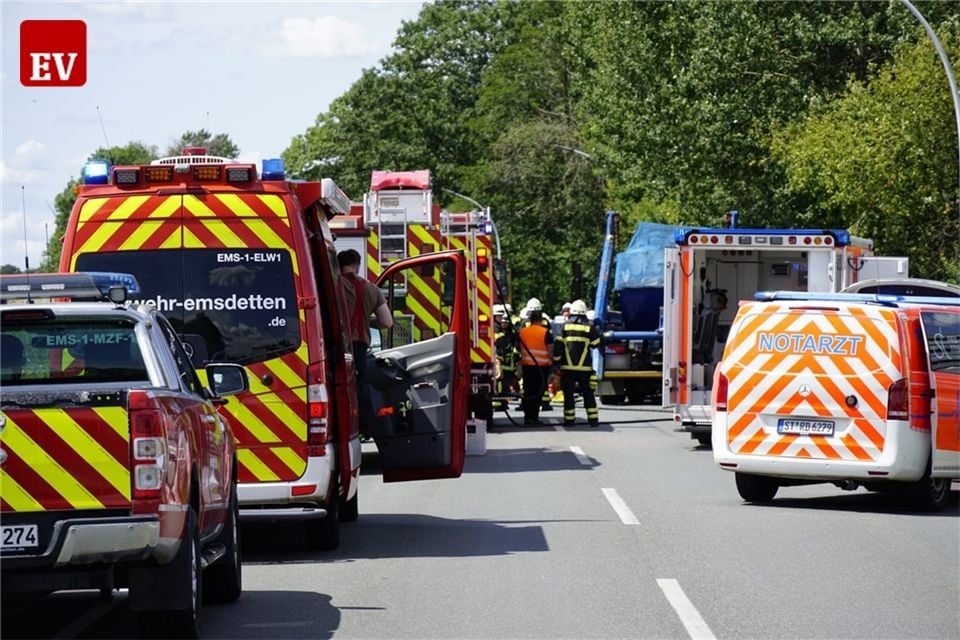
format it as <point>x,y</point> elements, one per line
<point>811,380</point>
<point>420,379</point>
<point>941,330</point>
<point>222,267</point>
<point>677,292</point>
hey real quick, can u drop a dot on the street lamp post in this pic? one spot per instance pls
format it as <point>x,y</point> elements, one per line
<point>945,61</point>
<point>496,234</point>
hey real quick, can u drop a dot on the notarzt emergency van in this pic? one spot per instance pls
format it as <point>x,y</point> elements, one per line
<point>854,389</point>
<point>244,267</point>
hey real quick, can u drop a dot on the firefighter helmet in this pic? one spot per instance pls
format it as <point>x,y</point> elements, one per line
<point>499,310</point>
<point>533,304</point>
<point>578,308</point>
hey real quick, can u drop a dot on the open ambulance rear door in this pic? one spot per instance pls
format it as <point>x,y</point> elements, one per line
<point>419,380</point>
<point>941,329</point>
<point>676,301</point>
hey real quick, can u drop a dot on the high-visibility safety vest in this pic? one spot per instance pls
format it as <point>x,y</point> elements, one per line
<point>574,344</point>
<point>533,346</point>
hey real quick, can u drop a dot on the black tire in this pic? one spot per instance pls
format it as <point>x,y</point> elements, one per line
<point>931,494</point>
<point>323,534</point>
<point>350,509</point>
<point>223,581</point>
<point>756,488</point>
<point>180,623</point>
<point>704,440</point>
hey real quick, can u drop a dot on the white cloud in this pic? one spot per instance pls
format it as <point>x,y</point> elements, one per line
<point>22,167</point>
<point>12,230</point>
<point>29,150</point>
<point>322,37</point>
<point>134,8</point>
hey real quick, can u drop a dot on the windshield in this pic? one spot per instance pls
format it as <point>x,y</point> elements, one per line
<point>66,350</point>
<point>234,305</point>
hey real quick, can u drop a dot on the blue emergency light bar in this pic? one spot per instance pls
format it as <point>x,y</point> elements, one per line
<point>886,299</point>
<point>68,286</point>
<point>96,171</point>
<point>272,169</point>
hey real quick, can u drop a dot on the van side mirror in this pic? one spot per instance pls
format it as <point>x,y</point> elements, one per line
<point>227,379</point>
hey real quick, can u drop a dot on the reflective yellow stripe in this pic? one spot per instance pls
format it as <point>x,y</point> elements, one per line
<point>290,458</point>
<point>90,208</point>
<point>105,231</point>
<point>55,475</point>
<point>287,417</point>
<point>251,422</point>
<point>190,241</point>
<point>87,448</point>
<point>275,203</point>
<point>139,237</point>
<point>116,417</point>
<point>252,463</point>
<point>14,495</point>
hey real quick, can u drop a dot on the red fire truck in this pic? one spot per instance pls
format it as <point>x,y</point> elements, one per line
<point>399,219</point>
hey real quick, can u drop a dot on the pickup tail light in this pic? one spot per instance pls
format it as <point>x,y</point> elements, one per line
<point>721,402</point>
<point>898,400</point>
<point>148,445</point>
<point>317,409</point>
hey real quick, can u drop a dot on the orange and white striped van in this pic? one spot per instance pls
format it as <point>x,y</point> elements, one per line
<point>853,389</point>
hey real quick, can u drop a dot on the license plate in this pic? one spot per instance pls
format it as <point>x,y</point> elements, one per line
<point>789,426</point>
<point>18,536</point>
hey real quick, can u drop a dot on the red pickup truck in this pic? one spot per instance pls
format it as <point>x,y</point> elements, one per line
<point>117,469</point>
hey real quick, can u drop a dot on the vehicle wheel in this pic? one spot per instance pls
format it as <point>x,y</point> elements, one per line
<point>324,534</point>
<point>931,494</point>
<point>350,509</point>
<point>704,440</point>
<point>180,623</point>
<point>223,581</point>
<point>756,488</point>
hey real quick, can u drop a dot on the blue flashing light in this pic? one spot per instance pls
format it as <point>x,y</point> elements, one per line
<point>96,172</point>
<point>486,228</point>
<point>272,169</point>
<point>106,279</point>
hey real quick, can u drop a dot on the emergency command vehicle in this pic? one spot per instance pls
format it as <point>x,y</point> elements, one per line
<point>854,389</point>
<point>399,218</point>
<point>244,266</point>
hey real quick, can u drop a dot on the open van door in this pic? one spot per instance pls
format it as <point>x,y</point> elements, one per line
<point>419,379</point>
<point>941,330</point>
<point>673,287</point>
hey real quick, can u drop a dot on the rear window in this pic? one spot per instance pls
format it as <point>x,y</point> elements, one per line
<point>866,344</point>
<point>66,350</point>
<point>235,305</point>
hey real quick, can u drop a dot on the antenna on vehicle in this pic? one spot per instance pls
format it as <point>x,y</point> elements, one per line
<point>102,128</point>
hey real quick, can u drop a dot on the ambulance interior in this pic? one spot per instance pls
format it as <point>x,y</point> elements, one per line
<point>725,277</point>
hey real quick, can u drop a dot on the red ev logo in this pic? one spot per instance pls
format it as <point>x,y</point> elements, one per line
<point>53,53</point>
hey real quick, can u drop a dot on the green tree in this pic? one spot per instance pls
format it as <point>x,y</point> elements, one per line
<point>216,145</point>
<point>131,153</point>
<point>881,160</point>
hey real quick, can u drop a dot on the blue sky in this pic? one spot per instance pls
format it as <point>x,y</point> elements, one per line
<point>257,71</point>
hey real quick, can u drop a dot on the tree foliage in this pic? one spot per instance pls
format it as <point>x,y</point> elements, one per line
<point>882,160</point>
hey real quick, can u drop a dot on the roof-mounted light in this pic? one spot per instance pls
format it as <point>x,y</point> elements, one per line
<point>96,171</point>
<point>273,170</point>
<point>126,176</point>
<point>239,174</point>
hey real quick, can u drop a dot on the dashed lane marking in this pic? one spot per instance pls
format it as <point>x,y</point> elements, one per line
<point>626,516</point>
<point>688,614</point>
<point>581,456</point>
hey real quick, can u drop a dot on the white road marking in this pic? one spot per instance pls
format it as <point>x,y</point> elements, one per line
<point>688,614</point>
<point>581,456</point>
<point>558,427</point>
<point>626,516</point>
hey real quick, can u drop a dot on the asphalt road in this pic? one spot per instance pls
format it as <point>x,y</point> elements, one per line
<point>626,531</point>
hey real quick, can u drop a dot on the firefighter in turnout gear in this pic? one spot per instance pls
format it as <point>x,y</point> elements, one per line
<point>505,340</point>
<point>572,353</point>
<point>536,344</point>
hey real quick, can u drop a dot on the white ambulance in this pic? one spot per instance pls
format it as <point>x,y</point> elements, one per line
<point>853,389</point>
